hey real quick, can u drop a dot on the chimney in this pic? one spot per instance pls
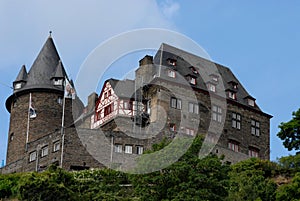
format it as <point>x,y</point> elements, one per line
<point>146,60</point>
<point>92,101</point>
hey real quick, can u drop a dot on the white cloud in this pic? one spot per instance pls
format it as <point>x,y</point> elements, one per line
<point>170,8</point>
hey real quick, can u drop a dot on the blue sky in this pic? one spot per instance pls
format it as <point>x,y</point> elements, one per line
<point>258,40</point>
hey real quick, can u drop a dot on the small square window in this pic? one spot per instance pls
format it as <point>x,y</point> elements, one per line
<point>58,82</point>
<point>193,80</point>
<point>212,87</point>
<point>232,95</point>
<point>251,102</point>
<point>18,85</point>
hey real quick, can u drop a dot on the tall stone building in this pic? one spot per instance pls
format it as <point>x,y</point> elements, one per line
<point>175,93</point>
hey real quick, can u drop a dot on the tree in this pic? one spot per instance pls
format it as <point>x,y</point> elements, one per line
<point>291,191</point>
<point>290,132</point>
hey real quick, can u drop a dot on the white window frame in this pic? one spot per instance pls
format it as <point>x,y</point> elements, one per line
<point>56,146</point>
<point>32,156</point>
<point>176,103</point>
<point>58,82</point>
<point>212,87</point>
<point>44,151</point>
<point>118,148</point>
<point>193,108</point>
<point>139,149</point>
<point>217,113</point>
<point>18,85</point>
<point>236,120</point>
<point>128,149</point>
<point>192,80</point>
<point>251,102</point>
<point>232,95</point>
<point>171,73</point>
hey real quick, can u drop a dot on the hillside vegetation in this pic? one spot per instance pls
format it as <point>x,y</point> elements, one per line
<point>190,178</point>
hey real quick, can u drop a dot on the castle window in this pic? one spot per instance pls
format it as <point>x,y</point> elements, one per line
<point>192,80</point>
<point>139,149</point>
<point>172,127</point>
<point>175,103</point>
<point>32,156</point>
<point>171,62</point>
<point>58,82</point>
<point>251,102</point>
<point>253,152</point>
<point>118,148</point>
<point>194,108</point>
<point>18,85</point>
<point>128,149</point>
<point>234,146</point>
<point>217,113</point>
<point>11,137</point>
<point>44,151</point>
<point>255,127</point>
<point>211,87</point>
<point>194,70</point>
<point>127,105</point>
<point>60,100</point>
<point>56,146</point>
<point>232,95</point>
<point>236,120</point>
<point>171,73</point>
<point>108,109</point>
<point>189,131</point>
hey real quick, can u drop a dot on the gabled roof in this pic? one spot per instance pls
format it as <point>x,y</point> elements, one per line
<point>22,76</point>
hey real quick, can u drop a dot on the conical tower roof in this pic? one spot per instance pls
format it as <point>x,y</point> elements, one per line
<point>46,66</point>
<point>22,76</point>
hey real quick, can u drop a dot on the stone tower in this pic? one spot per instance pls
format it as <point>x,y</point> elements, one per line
<point>43,85</point>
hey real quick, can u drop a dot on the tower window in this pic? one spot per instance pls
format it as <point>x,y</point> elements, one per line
<point>11,138</point>
<point>251,102</point>
<point>58,82</point>
<point>171,62</point>
<point>192,80</point>
<point>18,85</point>
<point>194,70</point>
<point>189,131</point>
<point>211,87</point>
<point>194,108</point>
<point>232,95</point>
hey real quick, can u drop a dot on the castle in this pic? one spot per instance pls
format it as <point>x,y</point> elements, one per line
<point>174,93</point>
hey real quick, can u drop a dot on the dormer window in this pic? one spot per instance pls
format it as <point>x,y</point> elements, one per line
<point>192,80</point>
<point>232,95</point>
<point>233,85</point>
<point>171,73</point>
<point>251,102</point>
<point>214,77</point>
<point>18,85</point>
<point>171,62</point>
<point>58,81</point>
<point>211,87</point>
<point>194,70</point>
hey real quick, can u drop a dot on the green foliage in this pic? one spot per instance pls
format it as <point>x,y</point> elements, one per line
<point>289,164</point>
<point>190,178</point>
<point>290,132</point>
<point>251,180</point>
<point>8,185</point>
<point>291,191</point>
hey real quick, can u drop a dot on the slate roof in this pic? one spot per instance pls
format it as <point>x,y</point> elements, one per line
<point>206,70</point>
<point>22,76</point>
<point>124,88</point>
<point>46,66</point>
